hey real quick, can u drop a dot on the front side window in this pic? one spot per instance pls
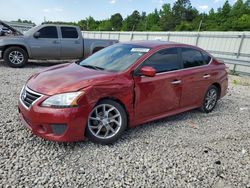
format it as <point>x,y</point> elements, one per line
<point>48,32</point>
<point>192,58</point>
<point>164,60</point>
<point>115,58</point>
<point>69,32</point>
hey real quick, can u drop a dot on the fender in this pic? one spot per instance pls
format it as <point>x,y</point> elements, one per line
<point>15,41</point>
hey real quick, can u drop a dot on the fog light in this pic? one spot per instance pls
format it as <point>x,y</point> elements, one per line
<point>58,129</point>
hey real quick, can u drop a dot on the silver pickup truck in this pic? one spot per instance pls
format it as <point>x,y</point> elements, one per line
<point>50,42</point>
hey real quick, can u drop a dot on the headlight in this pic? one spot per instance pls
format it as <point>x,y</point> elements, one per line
<point>64,100</point>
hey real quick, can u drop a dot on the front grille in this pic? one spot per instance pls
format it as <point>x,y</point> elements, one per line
<point>28,97</point>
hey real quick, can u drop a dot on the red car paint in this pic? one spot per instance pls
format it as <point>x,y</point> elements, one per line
<point>144,98</point>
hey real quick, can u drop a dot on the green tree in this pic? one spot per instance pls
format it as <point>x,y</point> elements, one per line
<point>242,23</point>
<point>183,11</point>
<point>181,17</point>
<point>83,25</point>
<point>131,22</point>
<point>92,25</point>
<point>116,21</point>
<point>105,25</point>
<point>152,21</point>
<point>25,21</point>
<point>167,22</point>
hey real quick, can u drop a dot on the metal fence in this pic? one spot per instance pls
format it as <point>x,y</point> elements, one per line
<point>231,47</point>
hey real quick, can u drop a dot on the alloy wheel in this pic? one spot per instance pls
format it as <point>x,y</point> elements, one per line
<point>104,121</point>
<point>211,99</point>
<point>16,57</point>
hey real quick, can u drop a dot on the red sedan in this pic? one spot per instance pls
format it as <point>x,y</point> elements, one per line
<point>121,86</point>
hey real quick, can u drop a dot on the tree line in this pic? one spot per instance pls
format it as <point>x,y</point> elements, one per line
<point>182,16</point>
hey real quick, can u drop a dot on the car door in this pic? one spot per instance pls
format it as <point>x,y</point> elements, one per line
<point>71,43</point>
<point>195,77</point>
<point>159,94</point>
<point>46,45</point>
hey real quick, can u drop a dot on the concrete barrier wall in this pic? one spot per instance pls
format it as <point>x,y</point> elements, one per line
<point>231,47</point>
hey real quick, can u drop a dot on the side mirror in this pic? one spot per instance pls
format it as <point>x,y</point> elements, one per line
<point>148,71</point>
<point>36,35</point>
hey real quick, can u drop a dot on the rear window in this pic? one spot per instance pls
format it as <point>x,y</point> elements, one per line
<point>69,32</point>
<point>192,58</point>
<point>206,57</point>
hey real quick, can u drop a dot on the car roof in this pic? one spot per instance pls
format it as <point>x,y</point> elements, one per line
<point>59,25</point>
<point>159,43</point>
<point>154,43</point>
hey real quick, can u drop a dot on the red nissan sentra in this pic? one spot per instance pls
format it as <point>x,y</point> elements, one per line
<point>121,86</point>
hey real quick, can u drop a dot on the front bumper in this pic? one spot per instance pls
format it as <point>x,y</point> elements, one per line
<point>61,125</point>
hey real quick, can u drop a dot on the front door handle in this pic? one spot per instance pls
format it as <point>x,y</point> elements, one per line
<point>175,82</point>
<point>77,42</point>
<point>207,76</point>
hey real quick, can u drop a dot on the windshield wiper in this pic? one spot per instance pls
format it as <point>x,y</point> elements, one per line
<point>93,67</point>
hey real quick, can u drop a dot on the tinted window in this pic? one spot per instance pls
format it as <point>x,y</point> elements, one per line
<point>206,57</point>
<point>69,32</point>
<point>48,32</point>
<point>192,58</point>
<point>164,60</point>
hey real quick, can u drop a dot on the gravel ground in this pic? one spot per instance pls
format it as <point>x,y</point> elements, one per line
<point>187,150</point>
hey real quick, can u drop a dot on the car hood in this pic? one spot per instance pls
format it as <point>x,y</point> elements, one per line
<point>11,28</point>
<point>12,37</point>
<point>66,78</point>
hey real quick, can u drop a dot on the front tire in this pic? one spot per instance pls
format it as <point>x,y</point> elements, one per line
<point>210,99</point>
<point>106,122</point>
<point>15,57</point>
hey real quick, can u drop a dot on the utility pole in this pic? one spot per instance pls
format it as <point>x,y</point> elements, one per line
<point>133,28</point>
<point>200,25</point>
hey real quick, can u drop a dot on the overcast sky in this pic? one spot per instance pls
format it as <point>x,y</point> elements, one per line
<point>75,10</point>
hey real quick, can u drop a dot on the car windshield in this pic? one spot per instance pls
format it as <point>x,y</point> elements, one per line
<point>115,58</point>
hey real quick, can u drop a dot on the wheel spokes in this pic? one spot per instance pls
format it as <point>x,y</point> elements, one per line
<point>16,57</point>
<point>99,129</point>
<point>210,99</point>
<point>104,121</point>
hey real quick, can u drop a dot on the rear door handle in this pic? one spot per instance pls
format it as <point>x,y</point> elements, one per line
<point>207,76</point>
<point>175,82</point>
<point>77,42</point>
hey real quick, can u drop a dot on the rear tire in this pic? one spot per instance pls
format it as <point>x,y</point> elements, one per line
<point>106,122</point>
<point>15,57</point>
<point>210,99</point>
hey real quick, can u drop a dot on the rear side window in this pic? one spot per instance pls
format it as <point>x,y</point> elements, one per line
<point>192,58</point>
<point>48,32</point>
<point>206,57</point>
<point>164,60</point>
<point>69,32</point>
